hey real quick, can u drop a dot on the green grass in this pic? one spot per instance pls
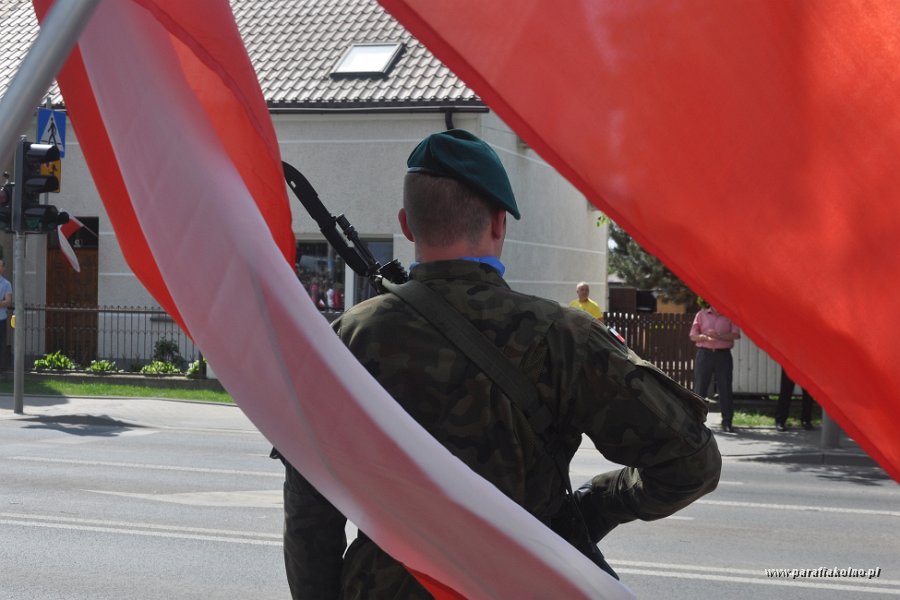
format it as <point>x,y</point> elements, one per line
<point>100,389</point>
<point>755,419</point>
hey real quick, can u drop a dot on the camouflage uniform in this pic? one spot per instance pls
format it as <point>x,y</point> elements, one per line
<point>593,384</point>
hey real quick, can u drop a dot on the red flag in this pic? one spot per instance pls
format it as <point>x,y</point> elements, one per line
<point>745,144</point>
<point>188,168</point>
<point>64,232</point>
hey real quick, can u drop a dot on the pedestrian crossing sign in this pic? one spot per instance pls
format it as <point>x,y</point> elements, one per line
<point>51,129</point>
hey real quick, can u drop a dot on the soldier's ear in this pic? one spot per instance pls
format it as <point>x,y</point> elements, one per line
<point>404,225</point>
<point>498,225</point>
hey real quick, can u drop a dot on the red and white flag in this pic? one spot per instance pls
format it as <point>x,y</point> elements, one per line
<point>745,144</point>
<point>64,232</point>
<point>210,237</point>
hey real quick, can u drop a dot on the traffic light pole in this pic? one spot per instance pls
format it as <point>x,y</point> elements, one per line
<point>19,330</point>
<point>19,286</point>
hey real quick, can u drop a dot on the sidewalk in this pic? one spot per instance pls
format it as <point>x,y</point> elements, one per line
<point>795,445</point>
<point>747,443</point>
<point>146,412</point>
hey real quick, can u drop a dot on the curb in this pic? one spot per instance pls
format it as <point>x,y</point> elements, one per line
<point>162,381</point>
<point>849,458</point>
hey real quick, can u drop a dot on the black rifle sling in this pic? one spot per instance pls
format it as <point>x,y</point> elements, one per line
<point>486,356</point>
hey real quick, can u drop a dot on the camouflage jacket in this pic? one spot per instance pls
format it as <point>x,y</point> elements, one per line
<point>592,383</point>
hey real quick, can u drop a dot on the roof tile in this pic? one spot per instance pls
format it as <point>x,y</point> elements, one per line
<point>294,45</point>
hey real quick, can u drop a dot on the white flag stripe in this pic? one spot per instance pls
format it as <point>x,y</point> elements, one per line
<point>67,250</point>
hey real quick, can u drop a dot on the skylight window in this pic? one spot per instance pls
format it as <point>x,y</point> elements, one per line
<point>372,60</point>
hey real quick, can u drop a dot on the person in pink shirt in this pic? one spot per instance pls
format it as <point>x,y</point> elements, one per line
<point>714,334</point>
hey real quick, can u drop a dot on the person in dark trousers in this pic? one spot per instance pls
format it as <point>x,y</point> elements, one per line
<point>784,404</point>
<point>714,335</point>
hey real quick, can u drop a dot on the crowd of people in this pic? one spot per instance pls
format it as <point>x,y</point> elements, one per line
<point>325,293</point>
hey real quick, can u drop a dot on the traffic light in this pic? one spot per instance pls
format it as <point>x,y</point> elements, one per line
<point>6,201</point>
<point>6,190</point>
<point>28,171</point>
<point>28,215</point>
<point>42,218</point>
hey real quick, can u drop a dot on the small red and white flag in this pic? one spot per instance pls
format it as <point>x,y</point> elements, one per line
<point>64,232</point>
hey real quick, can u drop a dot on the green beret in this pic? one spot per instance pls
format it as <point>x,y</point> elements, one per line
<point>461,156</point>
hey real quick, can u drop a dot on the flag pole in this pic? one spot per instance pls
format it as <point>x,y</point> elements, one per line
<point>60,30</point>
<point>57,36</point>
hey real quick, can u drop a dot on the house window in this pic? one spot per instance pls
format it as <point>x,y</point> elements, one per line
<point>383,252</point>
<point>327,280</point>
<point>372,60</point>
<point>321,271</point>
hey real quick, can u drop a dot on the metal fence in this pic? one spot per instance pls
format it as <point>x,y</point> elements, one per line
<point>124,334</point>
<point>129,336</point>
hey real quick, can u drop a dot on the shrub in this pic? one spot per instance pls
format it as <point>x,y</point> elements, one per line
<point>166,350</point>
<point>160,367</point>
<point>193,369</point>
<point>55,361</point>
<point>102,366</point>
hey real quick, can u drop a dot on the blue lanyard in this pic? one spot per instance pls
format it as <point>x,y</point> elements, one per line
<point>492,261</point>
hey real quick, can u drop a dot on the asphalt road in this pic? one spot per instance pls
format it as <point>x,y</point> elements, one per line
<point>92,509</point>
<point>767,515</point>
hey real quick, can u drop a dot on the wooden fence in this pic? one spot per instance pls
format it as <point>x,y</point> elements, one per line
<point>660,338</point>
<point>663,339</point>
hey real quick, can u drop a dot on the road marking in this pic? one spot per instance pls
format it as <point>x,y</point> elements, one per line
<point>240,499</point>
<point>100,463</point>
<point>827,509</point>
<point>137,432</point>
<point>108,432</point>
<point>142,529</point>
<point>761,580</point>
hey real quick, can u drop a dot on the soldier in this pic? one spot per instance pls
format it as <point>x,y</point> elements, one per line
<point>455,200</point>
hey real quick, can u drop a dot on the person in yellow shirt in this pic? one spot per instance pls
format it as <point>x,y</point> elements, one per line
<point>584,302</point>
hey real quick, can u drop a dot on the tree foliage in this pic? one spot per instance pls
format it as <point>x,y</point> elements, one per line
<point>640,269</point>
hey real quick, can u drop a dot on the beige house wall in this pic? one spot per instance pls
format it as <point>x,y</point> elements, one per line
<point>357,163</point>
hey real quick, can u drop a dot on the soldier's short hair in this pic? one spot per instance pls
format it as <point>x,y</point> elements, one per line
<point>441,211</point>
